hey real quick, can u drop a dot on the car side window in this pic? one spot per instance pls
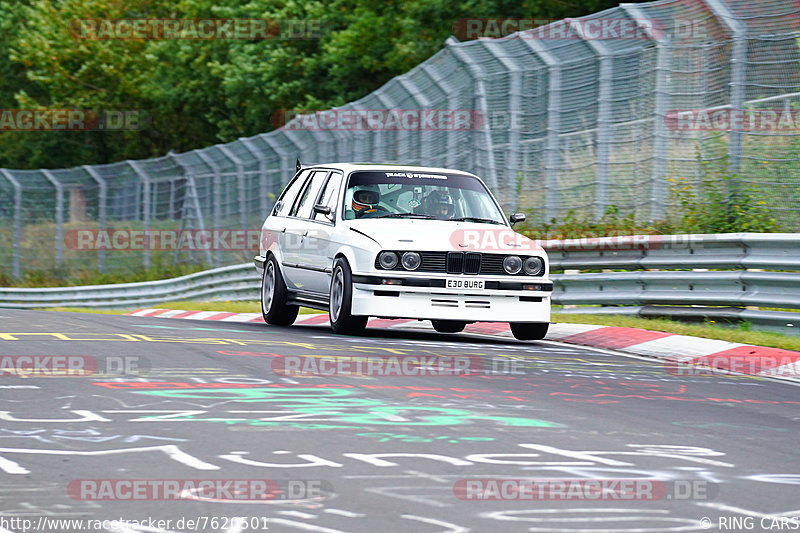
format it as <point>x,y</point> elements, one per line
<point>304,204</point>
<point>329,195</point>
<point>284,203</point>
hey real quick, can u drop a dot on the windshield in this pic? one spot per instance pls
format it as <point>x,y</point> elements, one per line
<point>411,194</point>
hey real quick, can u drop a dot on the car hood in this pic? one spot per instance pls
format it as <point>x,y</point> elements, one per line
<point>440,235</point>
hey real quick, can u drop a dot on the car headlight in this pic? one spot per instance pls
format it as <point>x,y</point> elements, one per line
<point>387,260</point>
<point>512,264</point>
<point>533,266</point>
<point>411,260</point>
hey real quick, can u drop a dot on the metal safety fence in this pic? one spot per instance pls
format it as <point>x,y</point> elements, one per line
<point>723,277</point>
<point>561,119</point>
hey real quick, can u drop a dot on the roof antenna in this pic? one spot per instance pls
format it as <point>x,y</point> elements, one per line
<point>298,166</point>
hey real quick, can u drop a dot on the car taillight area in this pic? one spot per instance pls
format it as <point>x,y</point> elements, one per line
<point>471,263</point>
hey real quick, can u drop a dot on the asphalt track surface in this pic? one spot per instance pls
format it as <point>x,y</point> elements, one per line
<point>409,453</point>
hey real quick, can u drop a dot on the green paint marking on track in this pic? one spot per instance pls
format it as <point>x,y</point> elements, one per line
<point>339,405</point>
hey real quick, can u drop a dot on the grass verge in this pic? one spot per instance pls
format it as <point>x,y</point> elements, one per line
<point>708,331</point>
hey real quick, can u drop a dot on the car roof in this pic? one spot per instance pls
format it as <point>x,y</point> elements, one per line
<point>350,167</point>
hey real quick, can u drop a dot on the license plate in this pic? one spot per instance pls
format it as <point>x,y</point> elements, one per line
<point>466,284</point>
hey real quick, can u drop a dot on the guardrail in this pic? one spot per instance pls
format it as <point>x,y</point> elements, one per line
<point>656,281</point>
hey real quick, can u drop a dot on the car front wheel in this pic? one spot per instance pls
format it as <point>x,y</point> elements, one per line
<point>274,296</point>
<point>341,299</point>
<point>529,331</point>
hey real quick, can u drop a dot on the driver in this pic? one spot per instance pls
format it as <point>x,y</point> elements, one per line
<point>365,201</point>
<point>439,204</point>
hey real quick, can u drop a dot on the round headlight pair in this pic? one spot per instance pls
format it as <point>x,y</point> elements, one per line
<point>513,264</point>
<point>409,260</point>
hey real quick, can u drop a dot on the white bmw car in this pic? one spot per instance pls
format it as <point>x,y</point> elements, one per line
<point>387,241</point>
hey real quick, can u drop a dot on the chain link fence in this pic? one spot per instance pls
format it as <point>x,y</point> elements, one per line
<point>567,122</point>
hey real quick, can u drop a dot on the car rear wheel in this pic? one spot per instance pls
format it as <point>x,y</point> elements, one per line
<point>274,296</point>
<point>341,299</point>
<point>529,331</point>
<point>448,326</point>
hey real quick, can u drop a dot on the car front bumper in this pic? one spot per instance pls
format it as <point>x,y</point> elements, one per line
<point>504,302</point>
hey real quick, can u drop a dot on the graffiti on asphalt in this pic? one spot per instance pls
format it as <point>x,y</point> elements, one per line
<point>343,405</point>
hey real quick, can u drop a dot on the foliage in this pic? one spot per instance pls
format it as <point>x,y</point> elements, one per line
<point>723,205</point>
<point>200,92</point>
<point>577,225</point>
<point>75,277</point>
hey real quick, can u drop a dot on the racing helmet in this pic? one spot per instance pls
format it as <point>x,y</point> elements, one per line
<point>439,204</point>
<point>365,199</point>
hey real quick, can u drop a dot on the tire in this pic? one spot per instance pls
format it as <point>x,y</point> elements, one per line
<point>274,296</point>
<point>341,300</point>
<point>448,326</point>
<point>529,331</point>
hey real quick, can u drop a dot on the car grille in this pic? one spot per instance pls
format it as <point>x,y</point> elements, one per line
<point>459,263</point>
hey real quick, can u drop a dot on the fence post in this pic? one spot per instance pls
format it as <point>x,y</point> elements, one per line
<point>101,211</point>
<point>191,198</point>
<point>603,133</point>
<point>287,164</point>
<point>146,209</point>
<point>216,198</point>
<point>239,183</point>
<point>738,76</point>
<point>449,90</point>
<point>15,254</point>
<point>513,165</point>
<point>59,187</point>
<point>263,186</point>
<point>388,103</point>
<point>658,198</point>
<point>552,147</point>
<point>480,96</point>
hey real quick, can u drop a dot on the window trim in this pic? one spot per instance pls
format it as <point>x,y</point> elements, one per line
<point>309,182</point>
<point>286,190</point>
<point>324,219</point>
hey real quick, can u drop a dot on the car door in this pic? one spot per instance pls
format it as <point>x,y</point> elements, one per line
<point>319,247</point>
<point>275,225</point>
<point>298,225</point>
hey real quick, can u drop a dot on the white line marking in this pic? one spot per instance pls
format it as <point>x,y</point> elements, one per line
<point>452,528</point>
<point>298,514</point>
<point>342,512</point>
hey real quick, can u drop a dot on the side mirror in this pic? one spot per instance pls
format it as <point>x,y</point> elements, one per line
<point>517,217</point>
<point>322,209</point>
